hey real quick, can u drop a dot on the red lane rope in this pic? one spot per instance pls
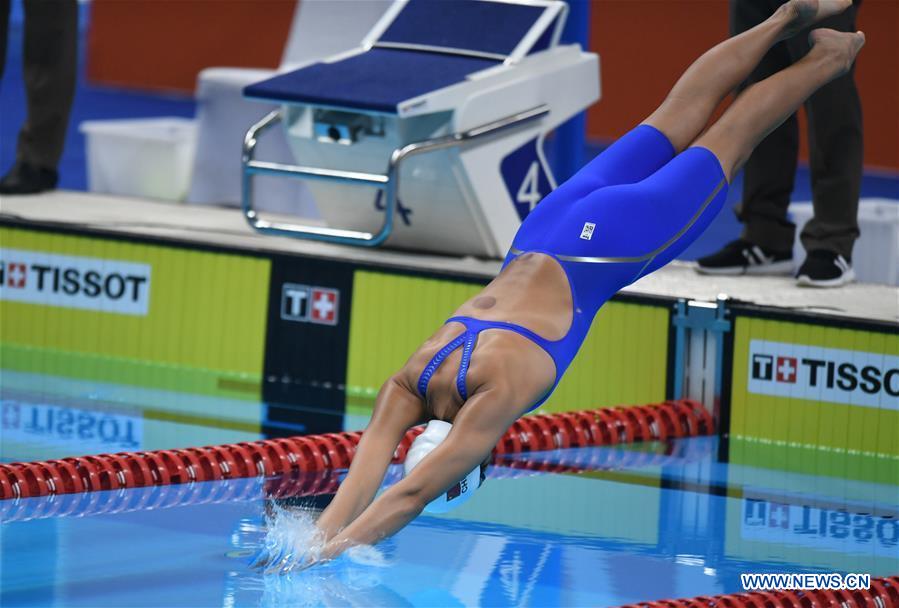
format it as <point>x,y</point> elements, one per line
<point>883,593</point>
<point>315,453</point>
<point>298,484</point>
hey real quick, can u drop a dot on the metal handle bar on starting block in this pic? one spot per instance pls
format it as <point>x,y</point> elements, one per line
<point>388,182</point>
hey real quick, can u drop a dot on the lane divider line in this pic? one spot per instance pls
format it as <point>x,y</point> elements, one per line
<point>315,453</point>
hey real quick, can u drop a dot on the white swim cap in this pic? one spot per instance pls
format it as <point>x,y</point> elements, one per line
<point>424,444</point>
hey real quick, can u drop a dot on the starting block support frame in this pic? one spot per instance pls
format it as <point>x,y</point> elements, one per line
<point>388,182</point>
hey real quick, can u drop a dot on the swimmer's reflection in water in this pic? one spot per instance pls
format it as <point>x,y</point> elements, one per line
<point>627,213</point>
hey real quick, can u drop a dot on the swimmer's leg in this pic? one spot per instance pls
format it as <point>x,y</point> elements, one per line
<point>631,158</point>
<point>679,201</point>
<point>764,106</point>
<point>687,109</point>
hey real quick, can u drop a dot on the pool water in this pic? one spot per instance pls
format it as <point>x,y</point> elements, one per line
<point>578,527</point>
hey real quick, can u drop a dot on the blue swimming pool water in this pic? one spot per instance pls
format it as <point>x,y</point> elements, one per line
<point>618,525</point>
<point>51,417</point>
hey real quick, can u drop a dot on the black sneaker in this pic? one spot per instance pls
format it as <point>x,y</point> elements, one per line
<point>825,269</point>
<point>742,257</point>
<point>24,178</point>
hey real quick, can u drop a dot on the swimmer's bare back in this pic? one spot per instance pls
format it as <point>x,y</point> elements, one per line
<point>533,292</point>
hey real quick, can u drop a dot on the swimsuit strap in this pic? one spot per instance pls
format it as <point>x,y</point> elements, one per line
<point>478,325</point>
<point>470,338</point>
<point>438,358</point>
<point>466,340</point>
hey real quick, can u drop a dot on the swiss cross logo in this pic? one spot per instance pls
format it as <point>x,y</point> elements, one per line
<point>324,306</point>
<point>13,275</point>
<point>786,369</point>
<point>307,304</point>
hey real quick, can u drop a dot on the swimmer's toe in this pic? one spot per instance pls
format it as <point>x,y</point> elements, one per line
<point>828,8</point>
<point>805,13</point>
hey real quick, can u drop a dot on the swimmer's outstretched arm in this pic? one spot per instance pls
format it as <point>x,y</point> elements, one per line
<point>396,409</point>
<point>476,430</point>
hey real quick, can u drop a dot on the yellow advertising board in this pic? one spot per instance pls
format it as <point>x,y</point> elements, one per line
<point>805,394</point>
<point>145,315</point>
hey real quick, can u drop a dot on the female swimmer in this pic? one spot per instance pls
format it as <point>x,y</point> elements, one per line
<point>627,213</point>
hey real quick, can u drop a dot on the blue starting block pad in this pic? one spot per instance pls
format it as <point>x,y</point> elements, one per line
<point>377,80</point>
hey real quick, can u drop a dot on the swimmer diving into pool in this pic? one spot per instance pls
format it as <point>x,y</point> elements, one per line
<point>627,213</point>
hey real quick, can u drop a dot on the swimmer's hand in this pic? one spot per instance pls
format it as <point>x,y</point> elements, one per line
<point>292,541</point>
<point>284,559</point>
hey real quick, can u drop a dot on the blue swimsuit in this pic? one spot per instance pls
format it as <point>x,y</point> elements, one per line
<point>627,213</point>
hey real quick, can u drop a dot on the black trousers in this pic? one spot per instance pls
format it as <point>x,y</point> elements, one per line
<point>835,149</point>
<point>50,64</point>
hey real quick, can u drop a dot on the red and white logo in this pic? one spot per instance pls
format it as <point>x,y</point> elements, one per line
<point>15,274</point>
<point>324,306</point>
<point>786,369</point>
<point>308,304</point>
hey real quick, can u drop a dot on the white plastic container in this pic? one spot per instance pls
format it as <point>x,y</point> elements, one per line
<point>875,257</point>
<point>147,157</point>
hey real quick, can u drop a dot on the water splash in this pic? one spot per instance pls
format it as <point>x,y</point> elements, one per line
<point>285,538</point>
<point>291,540</point>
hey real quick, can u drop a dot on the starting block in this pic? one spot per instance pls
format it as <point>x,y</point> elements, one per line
<point>429,136</point>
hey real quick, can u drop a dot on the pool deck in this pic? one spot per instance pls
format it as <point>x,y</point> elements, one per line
<point>225,227</point>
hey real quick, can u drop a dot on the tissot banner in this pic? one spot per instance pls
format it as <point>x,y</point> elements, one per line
<point>70,281</point>
<point>834,375</point>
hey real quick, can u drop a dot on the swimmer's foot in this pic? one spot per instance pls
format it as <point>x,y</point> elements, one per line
<point>837,49</point>
<point>801,14</point>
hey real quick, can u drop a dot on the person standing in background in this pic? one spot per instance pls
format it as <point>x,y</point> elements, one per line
<point>835,162</point>
<point>50,64</point>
